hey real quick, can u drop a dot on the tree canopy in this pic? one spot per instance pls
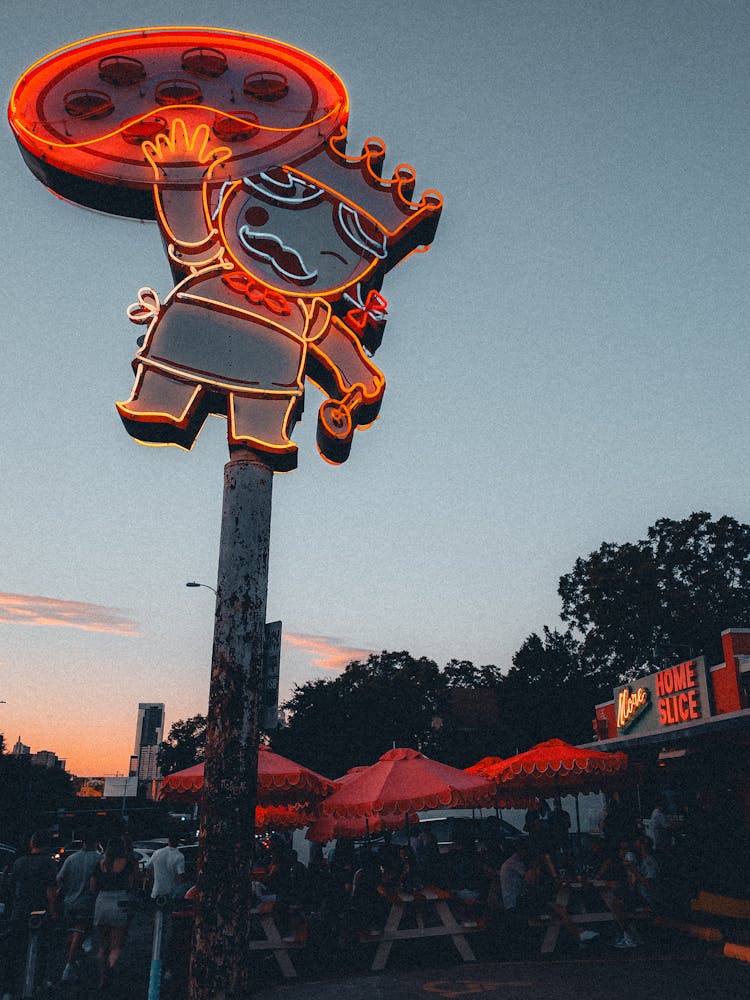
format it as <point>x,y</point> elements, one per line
<point>660,600</point>
<point>184,746</point>
<point>630,608</point>
<point>31,797</point>
<point>456,714</point>
<point>388,700</point>
<point>547,693</point>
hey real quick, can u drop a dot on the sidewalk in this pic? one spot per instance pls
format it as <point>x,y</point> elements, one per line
<point>670,967</point>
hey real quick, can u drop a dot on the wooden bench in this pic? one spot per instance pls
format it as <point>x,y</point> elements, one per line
<point>273,940</point>
<point>404,906</point>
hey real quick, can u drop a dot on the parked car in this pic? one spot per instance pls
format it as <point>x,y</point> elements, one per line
<point>190,851</point>
<point>449,830</point>
<point>142,857</point>
<point>149,846</point>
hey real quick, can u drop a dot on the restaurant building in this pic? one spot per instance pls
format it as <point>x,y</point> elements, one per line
<point>688,727</point>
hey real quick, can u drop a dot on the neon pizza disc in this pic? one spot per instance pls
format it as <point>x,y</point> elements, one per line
<point>78,114</point>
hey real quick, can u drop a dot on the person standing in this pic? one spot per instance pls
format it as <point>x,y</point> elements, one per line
<point>559,829</point>
<point>513,876</point>
<point>660,828</point>
<point>33,889</point>
<point>167,867</point>
<point>113,879</point>
<point>74,881</point>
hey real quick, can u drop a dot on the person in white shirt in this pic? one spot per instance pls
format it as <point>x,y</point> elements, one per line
<point>513,876</point>
<point>660,828</point>
<point>167,866</point>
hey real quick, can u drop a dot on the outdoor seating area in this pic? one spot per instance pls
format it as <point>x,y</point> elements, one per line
<point>379,891</point>
<point>384,883</point>
<point>372,904</point>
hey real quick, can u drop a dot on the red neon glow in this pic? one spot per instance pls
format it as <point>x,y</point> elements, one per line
<point>631,704</point>
<point>160,71</point>
<point>373,312</point>
<point>277,239</point>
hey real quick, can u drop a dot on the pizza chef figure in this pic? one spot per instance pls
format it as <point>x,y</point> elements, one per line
<point>278,279</point>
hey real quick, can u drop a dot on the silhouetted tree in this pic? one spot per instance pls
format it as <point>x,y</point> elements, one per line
<point>184,746</point>
<point>659,600</point>
<point>547,693</point>
<point>30,797</point>
<point>390,699</point>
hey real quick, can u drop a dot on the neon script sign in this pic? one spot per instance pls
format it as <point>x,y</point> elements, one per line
<point>631,704</point>
<point>278,241</point>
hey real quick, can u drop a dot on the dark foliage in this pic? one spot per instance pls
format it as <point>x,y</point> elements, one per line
<point>640,606</point>
<point>184,746</point>
<point>31,797</point>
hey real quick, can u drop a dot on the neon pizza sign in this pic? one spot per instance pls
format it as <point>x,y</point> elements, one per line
<point>278,241</point>
<point>678,694</point>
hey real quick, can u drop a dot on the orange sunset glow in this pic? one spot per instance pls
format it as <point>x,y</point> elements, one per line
<point>326,652</point>
<point>22,609</point>
<point>89,721</point>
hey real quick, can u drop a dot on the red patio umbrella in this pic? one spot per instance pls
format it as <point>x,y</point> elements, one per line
<point>556,766</point>
<point>405,781</point>
<point>280,781</point>
<point>182,786</point>
<point>505,798</point>
<point>483,765</point>
<point>282,818</point>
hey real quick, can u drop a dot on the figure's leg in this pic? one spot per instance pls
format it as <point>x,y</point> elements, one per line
<point>162,409</point>
<point>263,423</point>
<point>117,941</point>
<point>158,398</point>
<point>103,954</point>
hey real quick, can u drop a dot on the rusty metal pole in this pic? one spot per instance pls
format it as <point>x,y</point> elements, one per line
<point>220,960</point>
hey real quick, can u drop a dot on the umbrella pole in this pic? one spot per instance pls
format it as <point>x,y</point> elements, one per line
<point>578,818</point>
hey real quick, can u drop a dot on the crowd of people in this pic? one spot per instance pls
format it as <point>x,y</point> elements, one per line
<point>94,891</point>
<point>507,886</point>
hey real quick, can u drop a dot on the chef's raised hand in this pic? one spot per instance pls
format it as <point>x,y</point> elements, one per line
<point>182,155</point>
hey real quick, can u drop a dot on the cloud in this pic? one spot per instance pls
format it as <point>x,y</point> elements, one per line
<point>21,609</point>
<point>325,652</point>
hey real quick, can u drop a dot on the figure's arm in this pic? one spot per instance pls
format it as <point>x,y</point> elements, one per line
<point>184,168</point>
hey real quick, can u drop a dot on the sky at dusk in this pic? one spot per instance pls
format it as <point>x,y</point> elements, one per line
<point>567,364</point>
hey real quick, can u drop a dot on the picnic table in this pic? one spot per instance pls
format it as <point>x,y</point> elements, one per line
<point>581,901</point>
<point>273,940</point>
<point>426,913</point>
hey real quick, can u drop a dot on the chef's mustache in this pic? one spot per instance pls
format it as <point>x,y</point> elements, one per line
<point>284,259</point>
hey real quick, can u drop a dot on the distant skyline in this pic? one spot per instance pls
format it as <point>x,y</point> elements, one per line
<point>567,364</point>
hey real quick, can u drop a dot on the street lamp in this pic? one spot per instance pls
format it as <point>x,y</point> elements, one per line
<point>194,583</point>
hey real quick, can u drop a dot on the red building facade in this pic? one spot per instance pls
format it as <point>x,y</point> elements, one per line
<point>688,725</point>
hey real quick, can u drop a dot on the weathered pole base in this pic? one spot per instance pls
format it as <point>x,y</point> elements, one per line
<point>220,961</point>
